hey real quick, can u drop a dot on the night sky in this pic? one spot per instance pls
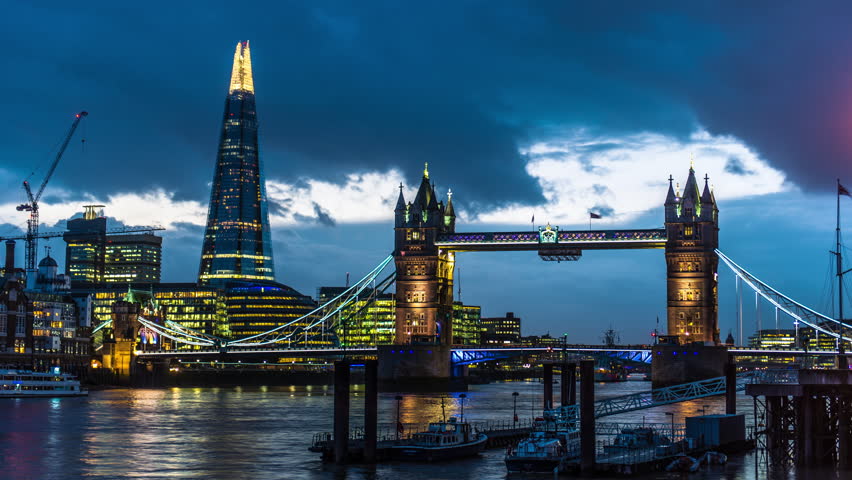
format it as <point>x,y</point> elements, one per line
<point>522,108</point>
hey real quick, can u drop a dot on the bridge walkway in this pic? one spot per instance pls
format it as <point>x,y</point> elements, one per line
<point>653,398</point>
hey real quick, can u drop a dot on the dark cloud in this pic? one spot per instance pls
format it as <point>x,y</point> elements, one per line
<point>603,210</point>
<point>348,88</point>
<point>323,217</point>
<point>735,166</point>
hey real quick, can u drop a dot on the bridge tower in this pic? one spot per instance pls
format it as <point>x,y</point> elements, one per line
<point>692,230</point>
<point>424,273</point>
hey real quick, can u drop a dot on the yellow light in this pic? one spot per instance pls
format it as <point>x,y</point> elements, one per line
<point>241,77</point>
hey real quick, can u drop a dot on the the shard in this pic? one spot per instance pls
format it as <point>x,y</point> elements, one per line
<point>237,244</point>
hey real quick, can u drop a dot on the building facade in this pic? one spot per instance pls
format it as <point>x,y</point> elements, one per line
<point>501,330</point>
<point>201,308</point>
<point>92,256</point>
<point>84,247</point>
<point>424,273</point>
<point>692,230</point>
<point>467,324</point>
<point>237,243</point>
<point>255,308</point>
<point>132,258</point>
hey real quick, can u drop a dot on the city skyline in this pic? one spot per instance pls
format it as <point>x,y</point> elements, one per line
<point>332,186</point>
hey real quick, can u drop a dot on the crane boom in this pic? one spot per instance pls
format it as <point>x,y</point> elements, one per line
<point>32,205</point>
<point>62,148</point>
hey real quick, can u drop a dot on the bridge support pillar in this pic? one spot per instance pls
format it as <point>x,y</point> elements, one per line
<point>568,387</point>
<point>548,386</point>
<point>676,364</point>
<point>341,411</point>
<point>417,368</point>
<point>587,415</point>
<point>371,410</point>
<point>730,388</point>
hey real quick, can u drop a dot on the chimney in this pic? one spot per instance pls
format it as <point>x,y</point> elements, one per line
<point>10,258</point>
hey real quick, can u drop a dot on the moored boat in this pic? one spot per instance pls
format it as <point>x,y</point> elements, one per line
<point>442,441</point>
<point>637,438</point>
<point>29,384</point>
<point>543,452</point>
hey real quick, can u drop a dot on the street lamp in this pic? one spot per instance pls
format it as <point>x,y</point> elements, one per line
<point>398,423</point>
<point>515,407</point>
<point>673,435</point>
<point>462,397</point>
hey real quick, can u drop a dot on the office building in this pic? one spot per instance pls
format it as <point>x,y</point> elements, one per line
<point>254,308</point>
<point>501,330</point>
<point>94,257</point>
<point>237,245</point>
<point>467,324</point>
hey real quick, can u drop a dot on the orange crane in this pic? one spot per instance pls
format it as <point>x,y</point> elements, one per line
<point>32,204</point>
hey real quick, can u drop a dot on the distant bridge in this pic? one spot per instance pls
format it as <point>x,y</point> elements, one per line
<point>472,355</point>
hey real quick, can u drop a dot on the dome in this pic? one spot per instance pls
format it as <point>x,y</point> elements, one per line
<point>48,262</point>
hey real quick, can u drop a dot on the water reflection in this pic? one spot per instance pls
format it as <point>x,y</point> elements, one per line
<point>264,432</point>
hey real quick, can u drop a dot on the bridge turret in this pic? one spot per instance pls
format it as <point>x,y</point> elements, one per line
<point>449,214</point>
<point>424,272</point>
<point>400,210</point>
<point>692,231</point>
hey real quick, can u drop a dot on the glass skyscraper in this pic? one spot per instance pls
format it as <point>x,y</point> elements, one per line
<point>237,245</point>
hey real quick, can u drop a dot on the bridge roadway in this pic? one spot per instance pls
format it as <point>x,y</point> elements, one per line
<point>467,356</point>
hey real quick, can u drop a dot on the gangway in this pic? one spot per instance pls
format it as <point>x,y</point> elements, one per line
<point>654,398</point>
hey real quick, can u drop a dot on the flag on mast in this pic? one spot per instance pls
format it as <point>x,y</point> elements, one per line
<point>841,190</point>
<point>596,215</point>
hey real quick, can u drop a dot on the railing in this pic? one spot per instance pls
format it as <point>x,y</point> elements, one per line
<point>653,398</point>
<point>389,432</point>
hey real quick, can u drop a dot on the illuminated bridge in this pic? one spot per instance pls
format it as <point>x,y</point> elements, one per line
<point>292,341</point>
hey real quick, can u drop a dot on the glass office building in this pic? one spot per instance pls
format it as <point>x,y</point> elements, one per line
<point>237,244</point>
<point>467,324</point>
<point>255,308</point>
<point>93,256</point>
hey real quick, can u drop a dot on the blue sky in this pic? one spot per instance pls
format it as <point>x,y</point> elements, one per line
<point>521,108</point>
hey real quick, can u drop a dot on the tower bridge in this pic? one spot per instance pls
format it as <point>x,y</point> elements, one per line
<point>426,245</point>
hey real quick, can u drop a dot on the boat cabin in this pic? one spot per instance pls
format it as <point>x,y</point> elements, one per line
<point>444,433</point>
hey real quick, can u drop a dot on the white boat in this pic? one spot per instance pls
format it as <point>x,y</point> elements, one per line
<point>26,384</point>
<point>543,452</point>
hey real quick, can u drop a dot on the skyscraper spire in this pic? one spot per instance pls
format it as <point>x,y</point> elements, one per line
<point>241,78</point>
<point>237,244</point>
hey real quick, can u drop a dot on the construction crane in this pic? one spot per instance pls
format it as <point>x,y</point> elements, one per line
<point>32,201</point>
<point>111,231</point>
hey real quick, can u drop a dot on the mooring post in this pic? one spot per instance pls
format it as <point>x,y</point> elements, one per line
<point>341,411</point>
<point>587,415</point>
<point>563,385</point>
<point>730,387</point>
<point>548,386</point>
<point>571,388</point>
<point>371,409</point>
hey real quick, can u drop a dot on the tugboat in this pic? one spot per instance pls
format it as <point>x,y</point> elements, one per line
<point>543,452</point>
<point>442,441</point>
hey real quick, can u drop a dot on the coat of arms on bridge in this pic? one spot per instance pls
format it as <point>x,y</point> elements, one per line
<point>548,234</point>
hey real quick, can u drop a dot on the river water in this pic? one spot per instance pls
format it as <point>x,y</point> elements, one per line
<point>264,433</point>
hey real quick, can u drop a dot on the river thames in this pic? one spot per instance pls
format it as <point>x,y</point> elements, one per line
<point>264,432</point>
